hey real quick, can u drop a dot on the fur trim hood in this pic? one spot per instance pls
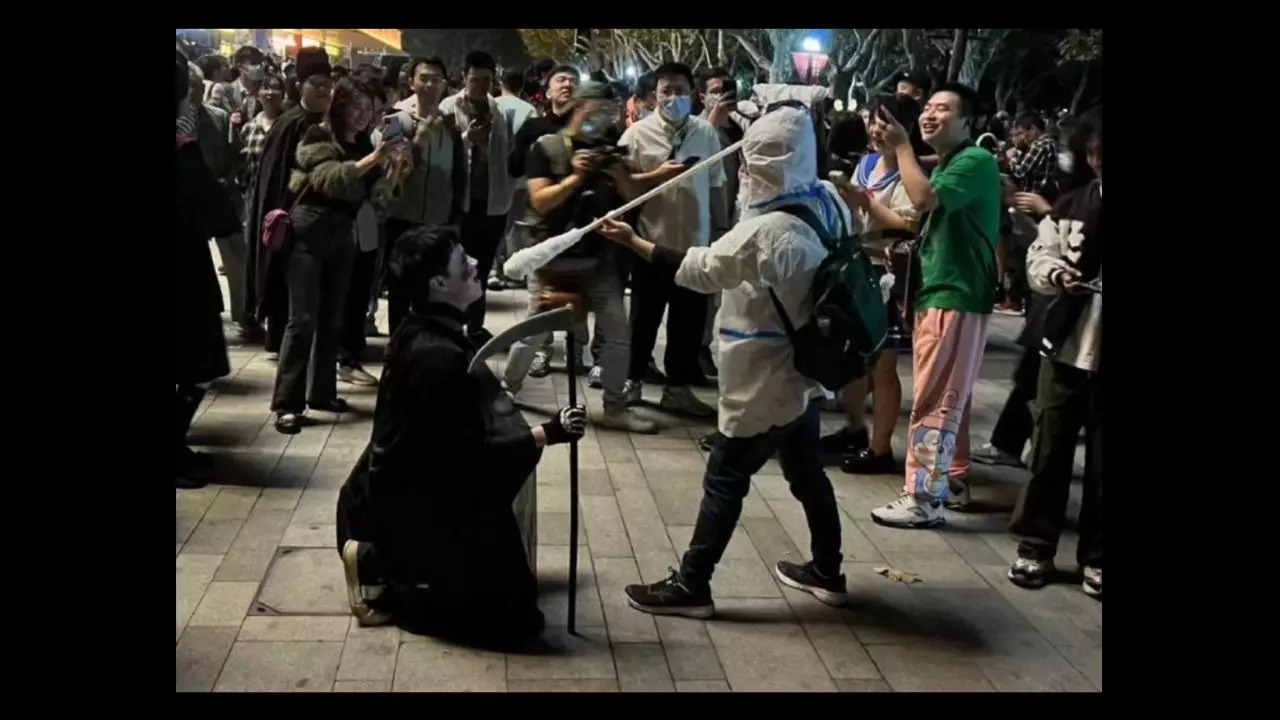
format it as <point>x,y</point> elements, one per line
<point>318,145</point>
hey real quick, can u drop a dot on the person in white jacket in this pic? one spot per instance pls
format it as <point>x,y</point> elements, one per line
<point>765,404</point>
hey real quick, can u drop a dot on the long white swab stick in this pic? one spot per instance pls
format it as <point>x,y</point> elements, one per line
<point>524,262</point>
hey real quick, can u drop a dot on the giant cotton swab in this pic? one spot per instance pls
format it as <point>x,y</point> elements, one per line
<point>524,262</point>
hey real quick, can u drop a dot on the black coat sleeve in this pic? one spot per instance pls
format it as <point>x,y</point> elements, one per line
<point>485,468</point>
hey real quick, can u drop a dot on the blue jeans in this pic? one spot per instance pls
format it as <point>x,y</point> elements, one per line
<point>728,477</point>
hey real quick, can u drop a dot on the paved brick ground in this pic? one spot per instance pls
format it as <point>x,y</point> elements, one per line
<point>260,602</point>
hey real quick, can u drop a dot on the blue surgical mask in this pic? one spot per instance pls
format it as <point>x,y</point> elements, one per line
<point>677,108</point>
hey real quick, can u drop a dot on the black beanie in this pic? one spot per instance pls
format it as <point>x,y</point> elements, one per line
<point>312,61</point>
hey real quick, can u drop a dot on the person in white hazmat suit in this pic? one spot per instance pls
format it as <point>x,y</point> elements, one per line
<point>765,404</point>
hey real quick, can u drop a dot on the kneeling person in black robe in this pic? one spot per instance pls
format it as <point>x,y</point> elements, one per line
<point>426,528</point>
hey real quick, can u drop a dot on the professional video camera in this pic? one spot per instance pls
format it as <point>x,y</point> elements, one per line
<point>603,157</point>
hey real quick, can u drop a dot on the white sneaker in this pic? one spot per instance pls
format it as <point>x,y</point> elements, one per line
<point>908,512</point>
<point>541,365</point>
<point>682,400</point>
<point>631,393</point>
<point>1031,574</point>
<point>989,454</point>
<point>626,420</point>
<point>595,378</point>
<point>1092,585</point>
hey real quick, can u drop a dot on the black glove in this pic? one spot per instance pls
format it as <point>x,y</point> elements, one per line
<point>568,425</point>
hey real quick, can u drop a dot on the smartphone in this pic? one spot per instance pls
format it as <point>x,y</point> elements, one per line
<point>392,128</point>
<point>691,161</point>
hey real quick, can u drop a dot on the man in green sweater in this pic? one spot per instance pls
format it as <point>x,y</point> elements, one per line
<point>957,287</point>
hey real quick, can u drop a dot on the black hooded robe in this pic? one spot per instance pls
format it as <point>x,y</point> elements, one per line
<point>264,279</point>
<point>203,212</point>
<point>433,490</point>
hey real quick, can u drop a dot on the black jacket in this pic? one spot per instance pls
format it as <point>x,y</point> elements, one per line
<point>434,488</point>
<point>203,212</point>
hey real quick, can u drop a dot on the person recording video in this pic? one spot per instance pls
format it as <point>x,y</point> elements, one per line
<point>575,176</point>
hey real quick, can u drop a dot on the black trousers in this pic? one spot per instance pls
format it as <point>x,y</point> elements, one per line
<point>1068,399</point>
<point>481,233</point>
<point>1015,424</point>
<point>351,340</point>
<point>728,478</point>
<point>186,402</point>
<point>652,291</point>
<point>319,267</point>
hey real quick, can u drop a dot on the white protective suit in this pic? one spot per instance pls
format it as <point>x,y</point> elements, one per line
<point>759,385</point>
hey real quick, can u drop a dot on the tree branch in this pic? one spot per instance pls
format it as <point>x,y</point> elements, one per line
<point>864,49</point>
<point>761,61</point>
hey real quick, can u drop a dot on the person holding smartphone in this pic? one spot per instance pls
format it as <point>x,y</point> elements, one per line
<point>882,203</point>
<point>1066,262</point>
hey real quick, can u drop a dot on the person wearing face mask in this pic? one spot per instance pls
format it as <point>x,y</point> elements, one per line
<point>572,181</point>
<point>426,527</point>
<point>645,100</point>
<point>266,295</point>
<point>765,403</point>
<point>693,213</point>
<point>241,97</point>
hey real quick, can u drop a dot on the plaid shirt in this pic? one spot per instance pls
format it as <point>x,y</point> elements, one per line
<point>252,137</point>
<point>1037,162</point>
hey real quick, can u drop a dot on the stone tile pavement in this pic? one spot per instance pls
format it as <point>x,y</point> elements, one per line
<point>260,604</point>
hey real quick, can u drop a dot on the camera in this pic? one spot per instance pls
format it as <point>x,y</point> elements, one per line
<point>606,156</point>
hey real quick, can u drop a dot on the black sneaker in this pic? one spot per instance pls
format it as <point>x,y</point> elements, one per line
<point>830,590</point>
<point>653,375</point>
<point>671,597</point>
<point>1030,574</point>
<point>709,441</point>
<point>865,462</point>
<point>844,441</point>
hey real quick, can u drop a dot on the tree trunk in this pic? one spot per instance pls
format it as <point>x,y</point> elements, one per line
<point>1084,81</point>
<point>1003,92</point>
<point>958,49</point>
<point>720,47</point>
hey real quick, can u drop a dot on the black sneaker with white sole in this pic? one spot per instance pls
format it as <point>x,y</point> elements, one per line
<point>830,590</point>
<point>671,597</point>
<point>1031,574</point>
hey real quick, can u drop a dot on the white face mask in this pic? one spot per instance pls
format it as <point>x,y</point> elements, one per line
<point>676,108</point>
<point>1066,162</point>
<point>713,99</point>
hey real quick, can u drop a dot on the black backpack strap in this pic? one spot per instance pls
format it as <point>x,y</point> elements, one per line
<point>805,215</point>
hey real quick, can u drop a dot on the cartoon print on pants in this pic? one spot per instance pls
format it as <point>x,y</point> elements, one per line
<point>934,450</point>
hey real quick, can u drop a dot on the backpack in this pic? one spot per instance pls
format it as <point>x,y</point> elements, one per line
<point>849,325</point>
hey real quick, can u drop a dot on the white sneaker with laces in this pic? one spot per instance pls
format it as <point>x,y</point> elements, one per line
<point>909,512</point>
<point>595,378</point>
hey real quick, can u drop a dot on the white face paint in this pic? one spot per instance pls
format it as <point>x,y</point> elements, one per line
<point>1066,161</point>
